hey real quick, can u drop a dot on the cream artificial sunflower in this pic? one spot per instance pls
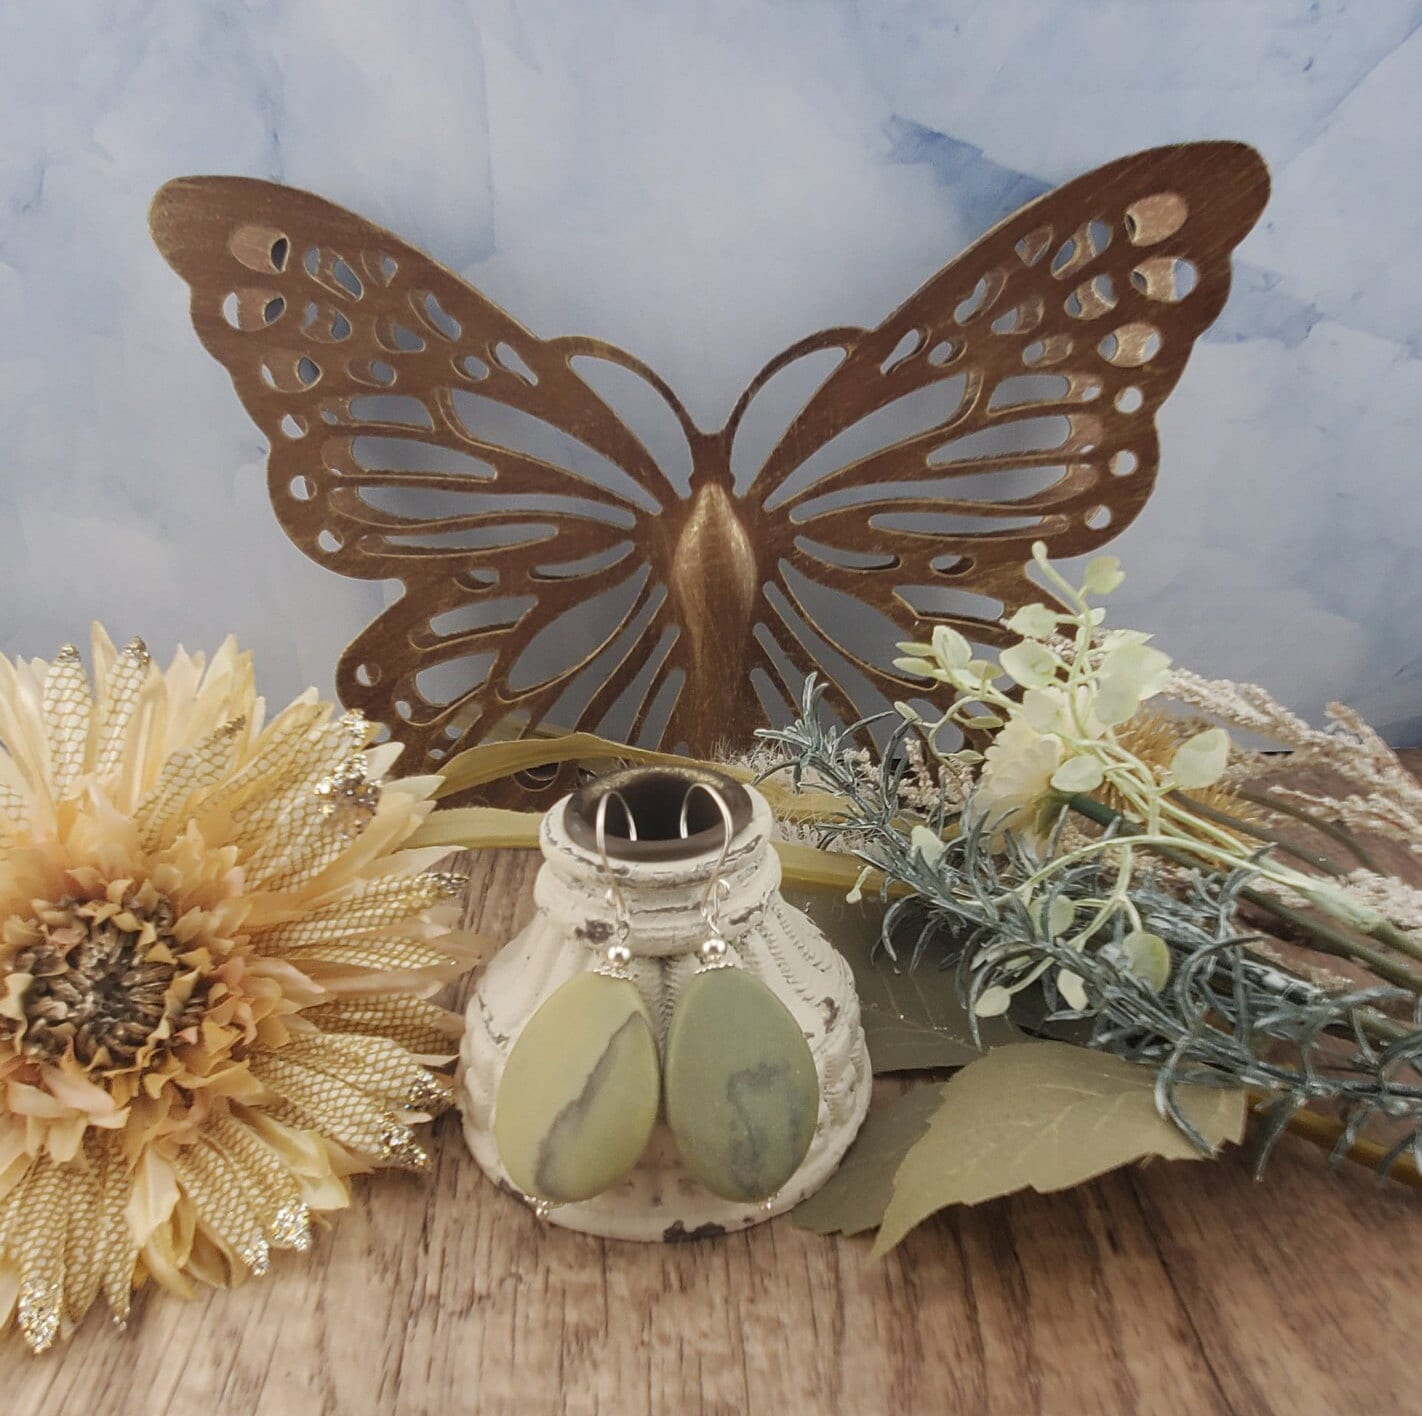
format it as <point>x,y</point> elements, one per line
<point>215,962</point>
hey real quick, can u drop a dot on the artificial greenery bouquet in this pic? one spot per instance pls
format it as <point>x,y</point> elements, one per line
<point>1091,861</point>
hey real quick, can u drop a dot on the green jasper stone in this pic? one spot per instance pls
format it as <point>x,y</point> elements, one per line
<point>742,1093</point>
<point>580,1091</point>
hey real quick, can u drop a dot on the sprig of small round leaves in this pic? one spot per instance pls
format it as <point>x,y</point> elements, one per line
<point>1076,686</point>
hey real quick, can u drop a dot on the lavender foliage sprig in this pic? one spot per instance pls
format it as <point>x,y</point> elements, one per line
<point>1224,1016</point>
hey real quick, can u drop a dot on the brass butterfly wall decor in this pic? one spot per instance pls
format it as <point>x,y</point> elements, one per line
<point>421,435</point>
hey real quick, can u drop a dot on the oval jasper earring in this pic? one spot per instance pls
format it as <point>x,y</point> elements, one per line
<point>581,1089</point>
<point>742,1092</point>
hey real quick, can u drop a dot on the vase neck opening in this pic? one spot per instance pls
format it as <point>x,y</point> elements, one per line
<point>661,879</point>
<point>661,801</point>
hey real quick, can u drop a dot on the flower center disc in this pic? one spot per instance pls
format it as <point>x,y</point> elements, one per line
<point>104,981</point>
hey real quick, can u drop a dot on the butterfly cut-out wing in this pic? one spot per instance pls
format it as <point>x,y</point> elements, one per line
<point>1038,360</point>
<point>397,401</point>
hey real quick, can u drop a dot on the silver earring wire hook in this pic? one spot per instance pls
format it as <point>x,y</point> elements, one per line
<point>618,954</point>
<point>711,902</point>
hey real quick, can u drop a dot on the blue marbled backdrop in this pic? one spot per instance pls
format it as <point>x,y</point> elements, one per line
<point>703,183</point>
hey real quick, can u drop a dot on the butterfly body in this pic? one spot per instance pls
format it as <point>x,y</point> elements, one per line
<point>552,571</point>
<point>713,577</point>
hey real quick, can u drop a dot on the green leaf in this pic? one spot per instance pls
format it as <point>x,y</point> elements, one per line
<point>1145,955</point>
<point>1114,638</point>
<point>1042,708</point>
<point>912,1018</point>
<point>1031,664</point>
<point>1034,621</point>
<point>993,1002</point>
<point>929,844</point>
<point>479,828</point>
<point>1146,669</point>
<point>1200,760</point>
<point>1117,699</point>
<point>1072,989</point>
<point>980,671</point>
<point>953,651</point>
<point>1078,774</point>
<point>856,1195</point>
<point>1103,575</point>
<point>1044,1116</point>
<point>1061,915</point>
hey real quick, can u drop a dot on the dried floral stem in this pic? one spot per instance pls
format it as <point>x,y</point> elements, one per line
<point>1323,937</point>
<point>1327,864</point>
<point>1332,829</point>
<point>1160,968</point>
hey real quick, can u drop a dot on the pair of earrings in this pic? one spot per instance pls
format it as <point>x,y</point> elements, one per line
<point>585,1083</point>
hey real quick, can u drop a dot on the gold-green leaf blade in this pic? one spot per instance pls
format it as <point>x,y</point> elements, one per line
<point>857,1194</point>
<point>1045,1116</point>
<point>911,1016</point>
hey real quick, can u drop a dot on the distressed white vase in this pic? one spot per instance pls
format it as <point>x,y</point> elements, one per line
<point>663,880</point>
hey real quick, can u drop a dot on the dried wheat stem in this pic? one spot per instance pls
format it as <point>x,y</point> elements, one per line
<point>1338,942</point>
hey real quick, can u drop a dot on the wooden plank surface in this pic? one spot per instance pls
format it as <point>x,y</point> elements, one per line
<point>1172,1288</point>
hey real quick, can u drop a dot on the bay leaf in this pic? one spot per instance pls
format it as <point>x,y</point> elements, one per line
<point>855,1197</point>
<point>912,1018</point>
<point>1044,1116</point>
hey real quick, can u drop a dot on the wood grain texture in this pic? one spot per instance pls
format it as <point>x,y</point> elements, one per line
<point>1170,1288</point>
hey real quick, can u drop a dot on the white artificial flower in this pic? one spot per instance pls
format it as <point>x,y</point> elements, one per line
<point>1017,777</point>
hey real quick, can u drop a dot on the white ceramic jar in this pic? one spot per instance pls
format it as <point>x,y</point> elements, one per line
<point>663,880</point>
